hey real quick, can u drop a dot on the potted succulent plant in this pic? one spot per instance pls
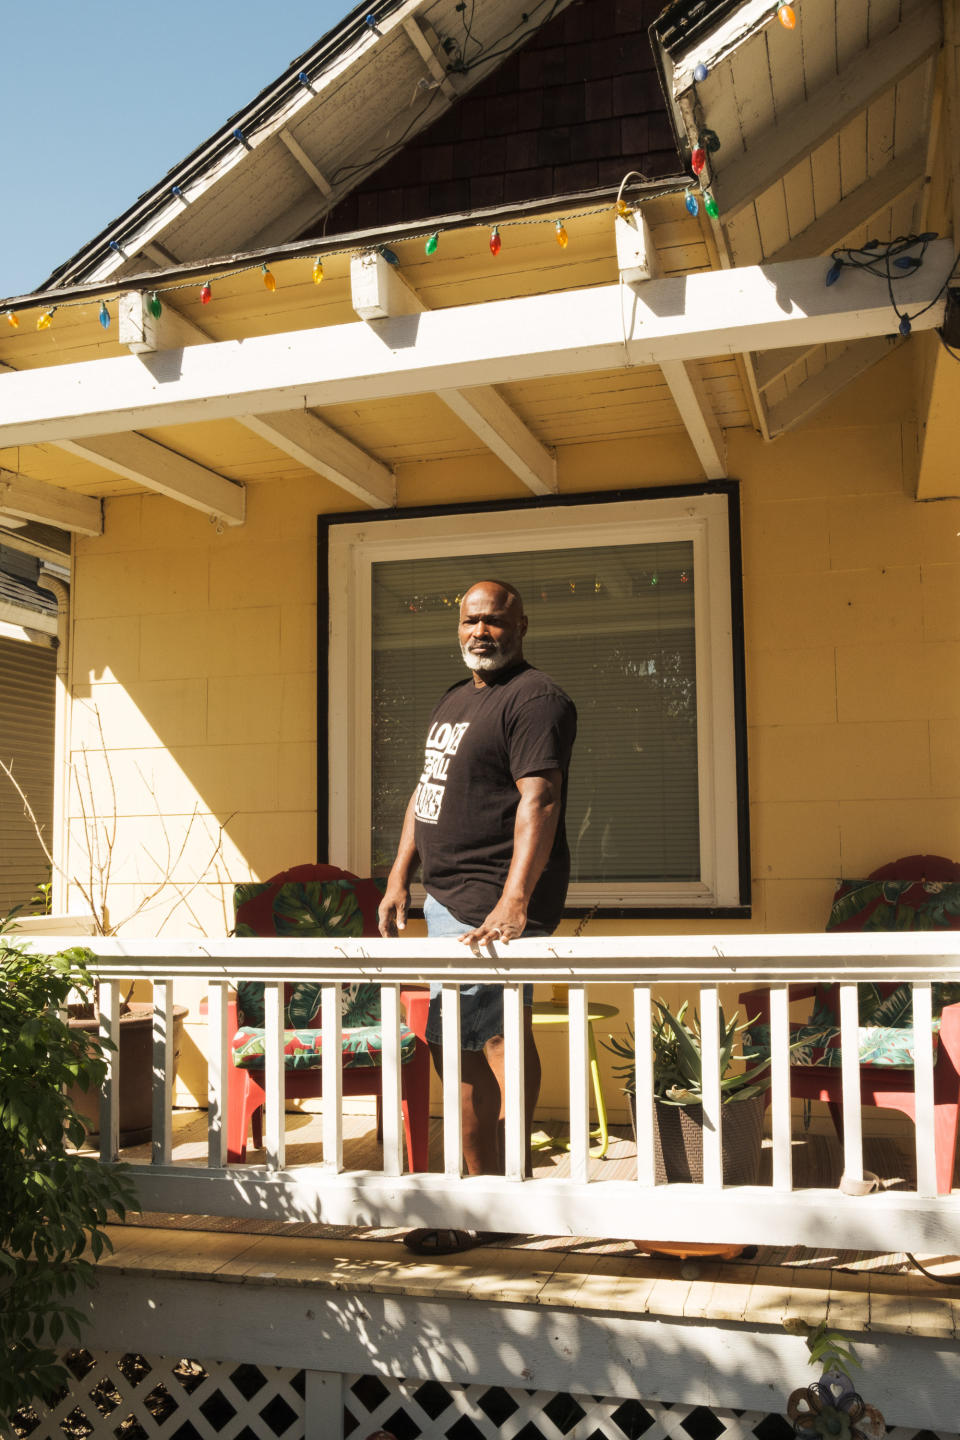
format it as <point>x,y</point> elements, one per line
<point>678,1096</point>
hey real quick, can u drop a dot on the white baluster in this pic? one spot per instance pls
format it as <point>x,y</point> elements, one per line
<point>712,1107</point>
<point>923,1088</point>
<point>273,1075</point>
<point>331,1018</point>
<point>393,1146</point>
<point>850,1081</point>
<point>579,1084</point>
<point>643,1098</point>
<point>162,1147</point>
<point>514,1098</point>
<point>452,1132</point>
<point>108,1002</point>
<point>780,1100</point>
<point>218,1073</point>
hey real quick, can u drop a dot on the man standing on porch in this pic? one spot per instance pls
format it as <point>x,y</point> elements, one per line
<point>486,823</point>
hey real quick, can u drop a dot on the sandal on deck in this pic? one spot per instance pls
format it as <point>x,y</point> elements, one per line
<point>431,1240</point>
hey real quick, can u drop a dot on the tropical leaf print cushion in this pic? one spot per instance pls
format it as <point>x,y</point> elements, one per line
<point>310,900</point>
<point>920,893</point>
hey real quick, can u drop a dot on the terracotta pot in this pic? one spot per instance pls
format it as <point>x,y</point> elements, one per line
<point>678,1141</point>
<point>136,1073</point>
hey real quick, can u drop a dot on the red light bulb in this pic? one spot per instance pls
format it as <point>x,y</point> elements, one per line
<point>495,241</point>
<point>205,293</point>
<point>698,159</point>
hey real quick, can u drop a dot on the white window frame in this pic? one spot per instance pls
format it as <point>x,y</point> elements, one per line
<point>700,518</point>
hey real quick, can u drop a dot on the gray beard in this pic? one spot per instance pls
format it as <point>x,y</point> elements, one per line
<point>498,659</point>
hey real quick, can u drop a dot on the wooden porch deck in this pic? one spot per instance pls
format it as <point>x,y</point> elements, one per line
<point>858,1292</point>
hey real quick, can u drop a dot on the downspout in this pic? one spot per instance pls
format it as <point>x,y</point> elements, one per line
<point>60,589</point>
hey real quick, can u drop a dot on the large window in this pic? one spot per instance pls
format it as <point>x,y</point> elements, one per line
<point>629,604</point>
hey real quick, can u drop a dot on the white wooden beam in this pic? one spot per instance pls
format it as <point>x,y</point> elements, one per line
<point>305,163</point>
<point>685,317</point>
<point>771,364</point>
<point>425,42</point>
<point>144,461</point>
<point>698,418</point>
<point>859,207</point>
<point>500,428</point>
<point>637,261</point>
<point>379,292</point>
<point>812,393</point>
<point>314,443</point>
<point>26,499</point>
<point>306,438</point>
<point>808,124</point>
<point>147,463</point>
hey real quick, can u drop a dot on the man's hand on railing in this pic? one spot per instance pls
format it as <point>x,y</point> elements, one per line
<point>392,910</point>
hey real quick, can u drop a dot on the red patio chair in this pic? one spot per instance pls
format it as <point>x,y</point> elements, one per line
<point>919,892</point>
<point>320,900</point>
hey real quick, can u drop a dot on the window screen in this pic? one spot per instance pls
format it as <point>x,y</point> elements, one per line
<point>614,626</point>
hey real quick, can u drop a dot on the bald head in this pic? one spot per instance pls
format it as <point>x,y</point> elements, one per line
<point>492,627</point>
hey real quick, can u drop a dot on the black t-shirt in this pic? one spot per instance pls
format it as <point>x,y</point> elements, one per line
<point>481,741</point>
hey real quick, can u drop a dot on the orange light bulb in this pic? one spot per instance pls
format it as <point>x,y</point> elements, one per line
<point>562,236</point>
<point>787,16</point>
<point>13,320</point>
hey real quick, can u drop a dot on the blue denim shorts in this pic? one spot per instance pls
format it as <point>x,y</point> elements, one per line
<point>481,1005</point>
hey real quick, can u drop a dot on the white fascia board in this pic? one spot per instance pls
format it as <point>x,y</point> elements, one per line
<point>299,99</point>
<point>722,42</point>
<point>687,317</point>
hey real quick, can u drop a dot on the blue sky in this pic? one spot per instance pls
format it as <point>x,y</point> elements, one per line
<point>101,98</point>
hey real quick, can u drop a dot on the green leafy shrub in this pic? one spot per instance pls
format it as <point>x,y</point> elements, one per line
<point>53,1202</point>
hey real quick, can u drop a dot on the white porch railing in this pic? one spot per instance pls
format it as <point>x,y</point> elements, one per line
<point>582,1204</point>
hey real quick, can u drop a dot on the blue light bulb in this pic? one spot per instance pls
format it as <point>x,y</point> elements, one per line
<point>700,73</point>
<point>833,274</point>
<point>692,203</point>
<point>104,315</point>
<point>905,325</point>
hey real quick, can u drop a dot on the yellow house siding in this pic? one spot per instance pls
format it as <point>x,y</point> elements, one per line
<point>199,651</point>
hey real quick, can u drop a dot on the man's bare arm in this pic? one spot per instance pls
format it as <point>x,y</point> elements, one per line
<point>534,829</point>
<point>392,912</point>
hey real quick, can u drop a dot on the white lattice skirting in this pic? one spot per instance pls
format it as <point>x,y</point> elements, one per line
<point>136,1397</point>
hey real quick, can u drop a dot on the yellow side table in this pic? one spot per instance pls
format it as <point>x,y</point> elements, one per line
<point>554,1012</point>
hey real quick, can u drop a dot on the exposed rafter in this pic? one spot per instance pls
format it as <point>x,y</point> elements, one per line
<point>427,46</point>
<point>24,499</point>
<point>687,317</point>
<point>144,461</point>
<point>859,207</point>
<point>307,439</point>
<point>305,163</point>
<point>698,418</point>
<point>317,445</point>
<point>771,364</point>
<point>638,263</point>
<point>812,393</point>
<point>823,113</point>
<point>379,292</point>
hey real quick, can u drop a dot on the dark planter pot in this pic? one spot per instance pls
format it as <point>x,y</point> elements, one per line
<point>136,1073</point>
<point>678,1141</point>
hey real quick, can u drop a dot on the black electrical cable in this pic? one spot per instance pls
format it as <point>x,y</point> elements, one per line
<point>890,261</point>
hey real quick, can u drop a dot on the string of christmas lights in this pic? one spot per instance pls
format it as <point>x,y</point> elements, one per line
<point>271,283</point>
<point>890,260</point>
